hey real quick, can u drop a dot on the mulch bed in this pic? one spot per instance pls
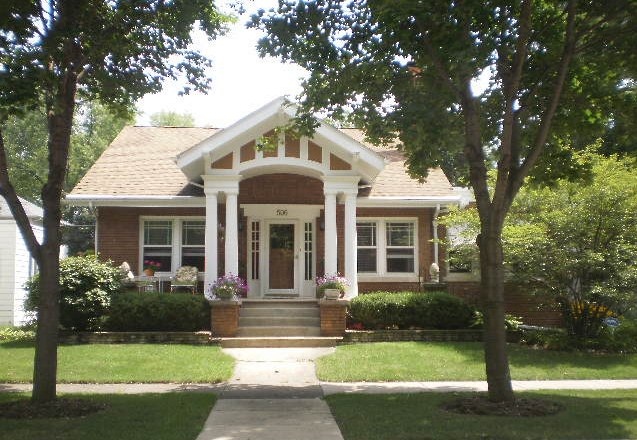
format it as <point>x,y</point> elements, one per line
<point>482,406</point>
<point>58,408</point>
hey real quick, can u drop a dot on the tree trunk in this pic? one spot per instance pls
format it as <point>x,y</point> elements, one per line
<point>45,366</point>
<point>492,297</point>
<point>60,121</point>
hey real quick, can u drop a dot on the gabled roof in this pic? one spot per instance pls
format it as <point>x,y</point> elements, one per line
<point>273,114</point>
<point>155,164</point>
<point>33,211</point>
<point>141,161</point>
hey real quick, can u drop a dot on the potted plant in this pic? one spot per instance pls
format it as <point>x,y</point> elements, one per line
<point>229,286</point>
<point>150,267</point>
<point>332,286</point>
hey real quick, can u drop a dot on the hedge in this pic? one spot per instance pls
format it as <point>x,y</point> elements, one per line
<point>131,311</point>
<point>405,310</point>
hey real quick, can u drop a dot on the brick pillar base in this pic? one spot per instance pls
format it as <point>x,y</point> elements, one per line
<point>333,316</point>
<point>224,318</point>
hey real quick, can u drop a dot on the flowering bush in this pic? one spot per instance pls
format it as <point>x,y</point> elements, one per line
<point>335,281</point>
<point>227,287</point>
<point>152,265</point>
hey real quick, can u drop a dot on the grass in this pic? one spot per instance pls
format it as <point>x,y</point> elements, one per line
<point>121,363</point>
<point>171,416</point>
<point>587,415</point>
<point>422,361</point>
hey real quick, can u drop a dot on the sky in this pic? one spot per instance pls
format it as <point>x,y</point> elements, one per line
<point>241,81</point>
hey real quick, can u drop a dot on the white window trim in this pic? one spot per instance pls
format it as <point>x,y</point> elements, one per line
<point>176,239</point>
<point>381,251</point>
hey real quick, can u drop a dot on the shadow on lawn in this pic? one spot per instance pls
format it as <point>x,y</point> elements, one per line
<point>586,415</point>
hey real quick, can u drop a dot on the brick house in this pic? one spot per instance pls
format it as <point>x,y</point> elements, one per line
<point>206,197</point>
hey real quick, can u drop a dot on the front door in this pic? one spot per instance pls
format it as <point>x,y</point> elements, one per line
<point>282,258</point>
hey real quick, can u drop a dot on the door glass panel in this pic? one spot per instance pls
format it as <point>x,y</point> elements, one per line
<point>282,256</point>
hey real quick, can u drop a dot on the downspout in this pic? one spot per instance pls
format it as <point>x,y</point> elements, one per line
<point>93,209</point>
<point>434,224</point>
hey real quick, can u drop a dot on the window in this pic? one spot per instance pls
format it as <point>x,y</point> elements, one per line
<point>307,241</point>
<point>174,242</point>
<point>366,238</point>
<point>400,247</point>
<point>158,241</point>
<point>193,243</point>
<point>386,247</point>
<point>254,249</point>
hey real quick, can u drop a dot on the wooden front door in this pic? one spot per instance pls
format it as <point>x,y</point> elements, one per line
<point>282,258</point>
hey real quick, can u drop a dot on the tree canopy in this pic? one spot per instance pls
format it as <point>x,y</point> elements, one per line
<point>575,242</point>
<point>413,69</point>
<point>172,119</point>
<point>111,52</point>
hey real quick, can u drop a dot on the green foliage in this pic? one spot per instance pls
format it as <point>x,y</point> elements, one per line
<point>158,312</point>
<point>423,56</point>
<point>172,119</point>
<point>86,287</point>
<point>404,310</point>
<point>511,322</point>
<point>622,339</point>
<point>17,334</point>
<point>576,241</point>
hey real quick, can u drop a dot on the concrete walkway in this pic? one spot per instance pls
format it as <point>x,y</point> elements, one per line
<point>274,394</point>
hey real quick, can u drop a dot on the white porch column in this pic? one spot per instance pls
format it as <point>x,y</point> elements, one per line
<point>232,233</point>
<point>331,240</point>
<point>351,250</point>
<point>211,238</point>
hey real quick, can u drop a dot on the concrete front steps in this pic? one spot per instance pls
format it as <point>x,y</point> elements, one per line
<point>279,323</point>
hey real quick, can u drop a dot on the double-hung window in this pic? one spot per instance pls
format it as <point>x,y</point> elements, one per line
<point>400,247</point>
<point>158,243</point>
<point>193,243</point>
<point>174,242</point>
<point>367,249</point>
<point>386,247</point>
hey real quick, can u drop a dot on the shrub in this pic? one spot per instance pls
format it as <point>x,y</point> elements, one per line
<point>17,334</point>
<point>511,323</point>
<point>404,310</point>
<point>133,311</point>
<point>86,286</point>
<point>622,339</point>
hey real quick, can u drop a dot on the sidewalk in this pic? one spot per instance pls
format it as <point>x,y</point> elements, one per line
<point>327,388</point>
<point>273,395</point>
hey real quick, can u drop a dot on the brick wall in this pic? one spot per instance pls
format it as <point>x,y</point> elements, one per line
<point>352,337</point>
<point>534,310</point>
<point>333,317</point>
<point>198,338</point>
<point>281,188</point>
<point>118,231</point>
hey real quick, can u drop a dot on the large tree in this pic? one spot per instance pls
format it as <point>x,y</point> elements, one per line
<point>411,69</point>
<point>114,52</point>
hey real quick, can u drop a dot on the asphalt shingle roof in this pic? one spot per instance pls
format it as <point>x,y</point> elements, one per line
<point>141,161</point>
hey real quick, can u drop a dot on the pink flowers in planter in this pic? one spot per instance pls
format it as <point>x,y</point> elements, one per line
<point>229,286</point>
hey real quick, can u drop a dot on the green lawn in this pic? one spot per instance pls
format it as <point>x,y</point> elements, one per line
<point>587,415</point>
<point>103,363</point>
<point>433,361</point>
<point>171,416</point>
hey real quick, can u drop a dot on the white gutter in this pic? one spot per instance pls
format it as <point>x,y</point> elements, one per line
<point>136,201</point>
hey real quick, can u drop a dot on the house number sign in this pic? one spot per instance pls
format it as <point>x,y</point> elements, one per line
<point>281,212</point>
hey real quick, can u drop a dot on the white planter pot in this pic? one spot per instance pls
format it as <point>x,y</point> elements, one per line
<point>331,293</point>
